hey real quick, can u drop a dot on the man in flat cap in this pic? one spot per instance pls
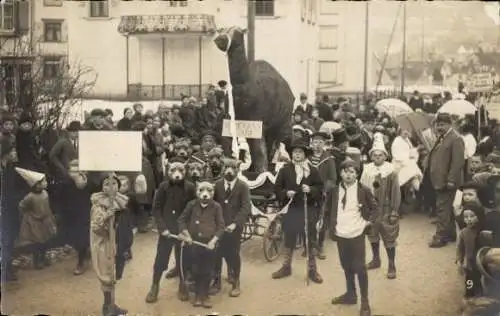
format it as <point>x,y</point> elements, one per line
<point>97,121</point>
<point>445,169</point>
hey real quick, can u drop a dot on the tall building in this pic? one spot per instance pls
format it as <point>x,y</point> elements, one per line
<point>341,49</point>
<point>160,49</point>
<point>33,47</point>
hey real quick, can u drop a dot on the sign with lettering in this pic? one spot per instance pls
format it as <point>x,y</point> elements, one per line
<point>245,129</point>
<point>481,82</point>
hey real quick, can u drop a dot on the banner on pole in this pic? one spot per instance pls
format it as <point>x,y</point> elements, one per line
<point>110,151</point>
<point>245,129</point>
<point>481,82</point>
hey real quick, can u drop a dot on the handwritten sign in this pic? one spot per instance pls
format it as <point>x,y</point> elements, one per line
<point>109,151</point>
<point>245,129</point>
<point>481,82</point>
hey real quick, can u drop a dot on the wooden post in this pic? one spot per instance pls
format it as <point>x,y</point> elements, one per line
<point>127,64</point>
<point>365,75</point>
<point>403,64</point>
<point>163,68</point>
<point>251,30</point>
<point>200,65</point>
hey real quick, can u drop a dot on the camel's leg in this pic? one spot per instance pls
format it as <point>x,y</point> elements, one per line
<point>258,151</point>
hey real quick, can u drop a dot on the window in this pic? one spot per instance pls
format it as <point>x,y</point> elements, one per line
<point>327,71</point>
<point>264,8</point>
<point>99,9</point>
<point>328,37</point>
<point>51,67</point>
<point>52,3</point>
<point>52,31</point>
<point>7,15</point>
<point>180,3</point>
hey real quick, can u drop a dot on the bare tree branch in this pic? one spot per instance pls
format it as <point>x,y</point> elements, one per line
<point>52,101</point>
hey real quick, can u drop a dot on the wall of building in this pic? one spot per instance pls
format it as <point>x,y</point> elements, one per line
<point>347,50</point>
<point>283,40</point>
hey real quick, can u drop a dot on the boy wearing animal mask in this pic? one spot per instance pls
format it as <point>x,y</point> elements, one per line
<point>215,163</point>
<point>202,221</point>
<point>382,179</point>
<point>170,200</point>
<point>234,197</point>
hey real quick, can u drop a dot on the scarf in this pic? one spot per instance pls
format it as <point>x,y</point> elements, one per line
<point>302,170</point>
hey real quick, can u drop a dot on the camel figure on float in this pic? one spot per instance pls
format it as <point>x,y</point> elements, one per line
<point>259,93</point>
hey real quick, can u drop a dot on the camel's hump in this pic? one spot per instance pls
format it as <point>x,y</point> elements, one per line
<point>265,75</point>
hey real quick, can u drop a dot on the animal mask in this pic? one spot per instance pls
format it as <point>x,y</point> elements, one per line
<point>196,171</point>
<point>176,171</point>
<point>231,168</point>
<point>182,149</point>
<point>215,156</point>
<point>205,191</point>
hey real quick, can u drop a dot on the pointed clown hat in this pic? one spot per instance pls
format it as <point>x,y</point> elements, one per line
<point>378,144</point>
<point>31,177</point>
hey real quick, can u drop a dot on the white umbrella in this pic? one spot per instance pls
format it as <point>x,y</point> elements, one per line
<point>330,127</point>
<point>393,107</point>
<point>458,107</point>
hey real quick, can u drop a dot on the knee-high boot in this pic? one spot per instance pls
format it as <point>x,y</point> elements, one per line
<point>286,268</point>
<point>391,270</point>
<point>216,286</point>
<point>111,307</point>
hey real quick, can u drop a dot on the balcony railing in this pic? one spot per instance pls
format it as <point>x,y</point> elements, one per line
<point>166,92</point>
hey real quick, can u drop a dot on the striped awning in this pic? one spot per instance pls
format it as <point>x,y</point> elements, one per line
<point>171,23</point>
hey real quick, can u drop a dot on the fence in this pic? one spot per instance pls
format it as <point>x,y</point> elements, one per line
<point>137,92</point>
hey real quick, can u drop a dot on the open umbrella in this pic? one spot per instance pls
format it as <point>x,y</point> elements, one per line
<point>393,107</point>
<point>458,107</point>
<point>330,127</point>
<point>414,122</point>
<point>419,124</point>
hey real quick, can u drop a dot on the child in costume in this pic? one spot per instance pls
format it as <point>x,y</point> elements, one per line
<point>38,224</point>
<point>381,178</point>
<point>473,218</point>
<point>105,206</point>
<point>202,221</point>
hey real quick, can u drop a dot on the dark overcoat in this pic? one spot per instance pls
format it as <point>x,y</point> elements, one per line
<point>75,213</point>
<point>293,220</point>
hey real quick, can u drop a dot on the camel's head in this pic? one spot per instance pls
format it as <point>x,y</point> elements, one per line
<point>228,38</point>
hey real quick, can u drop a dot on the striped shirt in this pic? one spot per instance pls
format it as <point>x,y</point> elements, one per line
<point>315,160</point>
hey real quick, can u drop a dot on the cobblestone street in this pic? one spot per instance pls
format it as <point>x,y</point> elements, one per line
<point>428,284</point>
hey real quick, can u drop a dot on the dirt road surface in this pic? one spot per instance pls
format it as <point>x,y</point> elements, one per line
<point>427,284</point>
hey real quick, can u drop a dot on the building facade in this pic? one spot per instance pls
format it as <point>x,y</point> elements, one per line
<point>33,48</point>
<point>341,49</point>
<point>160,49</point>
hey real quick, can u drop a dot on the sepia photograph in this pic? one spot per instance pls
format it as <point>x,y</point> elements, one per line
<point>249,157</point>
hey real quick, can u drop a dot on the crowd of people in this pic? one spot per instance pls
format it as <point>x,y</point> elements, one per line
<point>357,180</point>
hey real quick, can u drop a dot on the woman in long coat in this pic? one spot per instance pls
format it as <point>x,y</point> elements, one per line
<point>295,182</point>
<point>75,212</point>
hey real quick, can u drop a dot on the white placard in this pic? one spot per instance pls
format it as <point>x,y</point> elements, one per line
<point>481,82</point>
<point>110,151</point>
<point>245,129</point>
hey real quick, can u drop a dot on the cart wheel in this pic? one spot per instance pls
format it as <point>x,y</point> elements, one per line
<point>272,240</point>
